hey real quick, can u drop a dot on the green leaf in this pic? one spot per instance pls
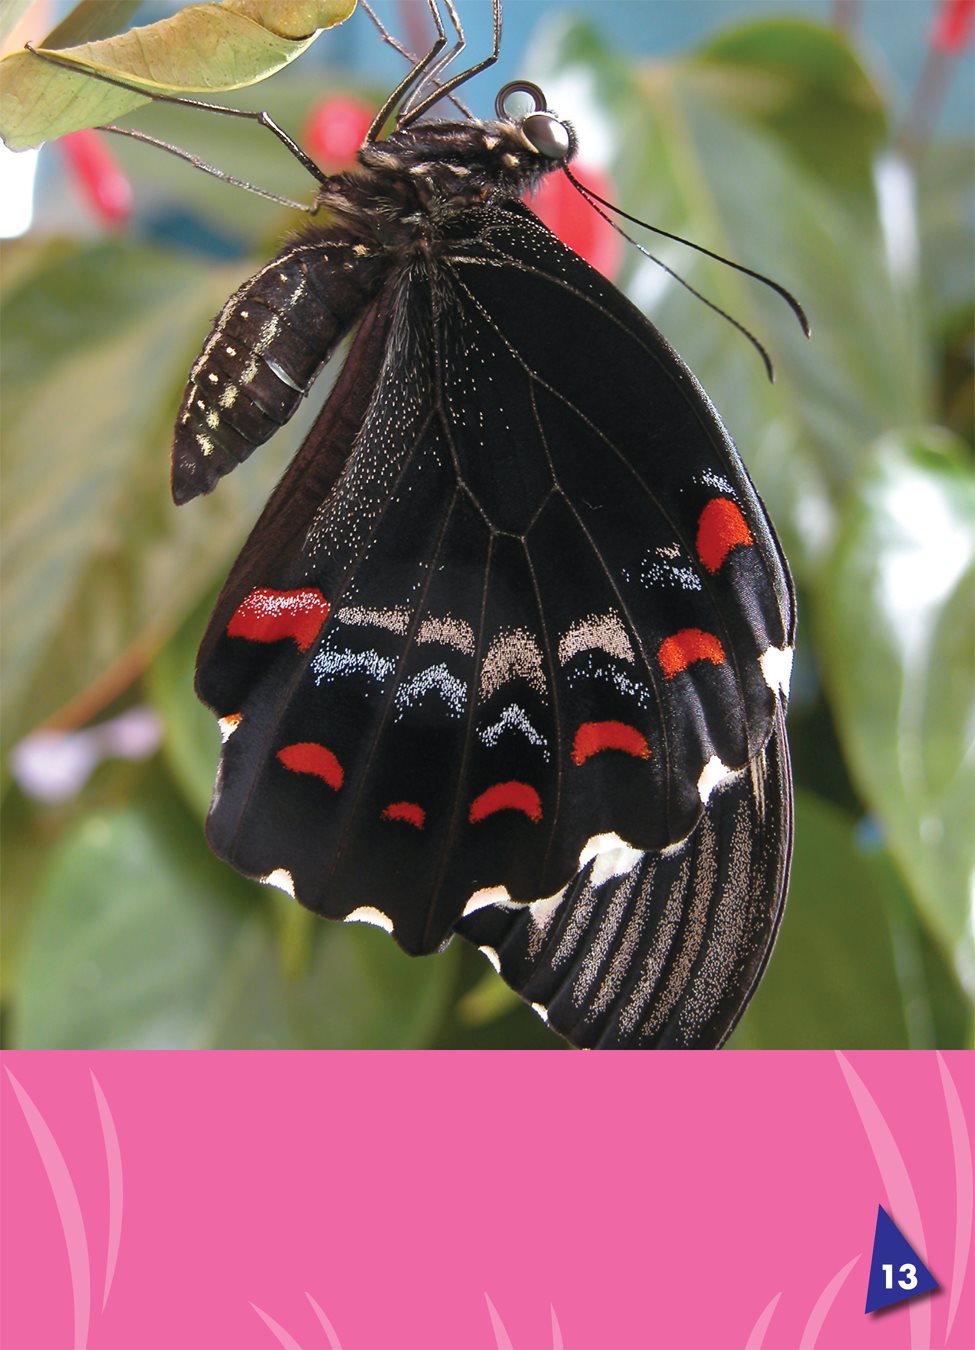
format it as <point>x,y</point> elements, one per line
<point>805,85</point>
<point>202,49</point>
<point>358,991</point>
<point>128,937</point>
<point>191,739</point>
<point>98,563</point>
<point>832,981</point>
<point>894,616</point>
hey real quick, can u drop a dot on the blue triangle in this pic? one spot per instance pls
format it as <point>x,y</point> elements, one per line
<point>896,1271</point>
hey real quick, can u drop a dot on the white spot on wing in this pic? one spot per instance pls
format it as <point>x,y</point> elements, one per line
<point>282,879</point>
<point>492,956</point>
<point>541,911</point>
<point>541,1010</point>
<point>610,855</point>
<point>776,663</point>
<point>228,725</point>
<point>369,914</point>
<point>490,895</point>
<point>713,773</point>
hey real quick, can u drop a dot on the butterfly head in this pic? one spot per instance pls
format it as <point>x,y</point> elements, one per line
<point>467,162</point>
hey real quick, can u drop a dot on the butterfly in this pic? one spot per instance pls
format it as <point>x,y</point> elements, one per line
<point>506,655</point>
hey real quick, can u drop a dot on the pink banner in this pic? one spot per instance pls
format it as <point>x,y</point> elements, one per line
<point>439,1201</point>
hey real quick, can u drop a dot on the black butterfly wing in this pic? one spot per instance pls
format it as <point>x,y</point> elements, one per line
<point>539,605</point>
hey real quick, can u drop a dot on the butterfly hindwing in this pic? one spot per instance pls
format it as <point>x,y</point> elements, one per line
<point>658,950</point>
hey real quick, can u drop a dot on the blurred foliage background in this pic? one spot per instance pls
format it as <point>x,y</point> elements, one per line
<point>770,141</point>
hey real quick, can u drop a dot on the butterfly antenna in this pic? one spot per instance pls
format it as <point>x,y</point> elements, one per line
<point>593,199</point>
<point>787,296</point>
<point>204,167</point>
<point>262,118</point>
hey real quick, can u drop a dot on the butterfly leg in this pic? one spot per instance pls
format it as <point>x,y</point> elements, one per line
<point>262,117</point>
<point>463,76</point>
<point>433,76</point>
<point>409,80</point>
<point>397,46</point>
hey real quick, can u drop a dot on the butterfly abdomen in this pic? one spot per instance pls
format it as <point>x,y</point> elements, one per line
<point>267,345</point>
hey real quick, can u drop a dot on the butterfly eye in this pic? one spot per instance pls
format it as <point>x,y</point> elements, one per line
<point>547,134</point>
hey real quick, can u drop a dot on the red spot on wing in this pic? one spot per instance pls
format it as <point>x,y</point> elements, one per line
<point>691,644</point>
<point>269,616</point>
<point>310,757</point>
<point>507,797</point>
<point>409,812</point>
<point>720,528</point>
<point>593,737</point>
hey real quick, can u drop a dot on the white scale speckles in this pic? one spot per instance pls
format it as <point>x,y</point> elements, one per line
<point>513,718</point>
<point>450,631</point>
<point>205,443</point>
<point>369,914</point>
<point>589,669</point>
<point>228,725</point>
<point>716,480</point>
<point>776,664</point>
<point>282,879</point>
<point>492,956</point>
<point>451,689</point>
<point>228,396</point>
<point>512,656</point>
<point>610,856</point>
<point>394,620</point>
<point>604,632</point>
<point>329,664</point>
<point>666,570</point>
<point>713,773</point>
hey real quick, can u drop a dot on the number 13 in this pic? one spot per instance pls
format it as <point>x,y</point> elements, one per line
<point>908,1278</point>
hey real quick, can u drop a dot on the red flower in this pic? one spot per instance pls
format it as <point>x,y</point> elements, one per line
<point>952,25</point>
<point>99,174</point>
<point>335,129</point>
